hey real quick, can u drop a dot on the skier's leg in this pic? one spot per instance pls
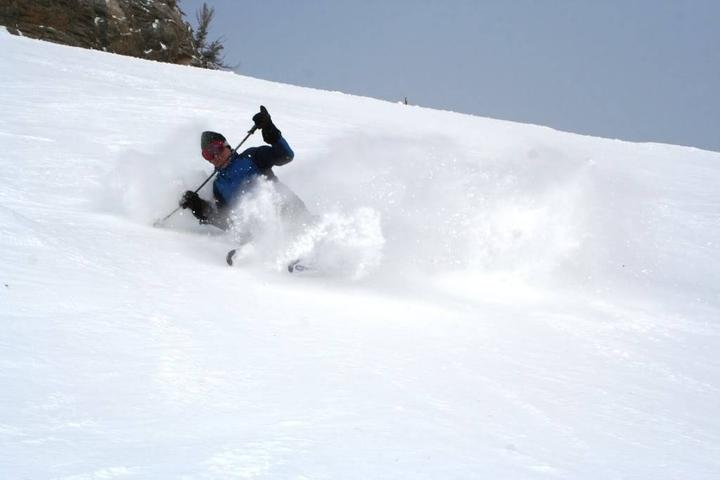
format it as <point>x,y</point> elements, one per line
<point>293,208</point>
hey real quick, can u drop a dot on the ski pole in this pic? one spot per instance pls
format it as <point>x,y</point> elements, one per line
<point>157,223</point>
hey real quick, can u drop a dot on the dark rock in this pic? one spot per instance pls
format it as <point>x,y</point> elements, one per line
<point>151,29</point>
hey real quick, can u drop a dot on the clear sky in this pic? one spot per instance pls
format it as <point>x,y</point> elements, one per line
<point>642,70</point>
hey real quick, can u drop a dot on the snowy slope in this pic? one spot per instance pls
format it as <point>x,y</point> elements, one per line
<point>509,301</point>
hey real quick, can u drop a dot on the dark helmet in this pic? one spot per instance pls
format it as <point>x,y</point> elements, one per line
<point>208,137</point>
<point>212,143</point>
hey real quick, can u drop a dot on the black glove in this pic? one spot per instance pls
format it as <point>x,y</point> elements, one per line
<point>188,199</point>
<point>196,204</point>
<point>262,120</point>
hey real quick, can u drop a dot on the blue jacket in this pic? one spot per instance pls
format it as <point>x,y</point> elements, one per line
<point>237,176</point>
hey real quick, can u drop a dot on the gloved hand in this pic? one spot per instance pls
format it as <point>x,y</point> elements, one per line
<point>189,199</point>
<point>197,205</point>
<point>262,119</point>
<point>270,132</point>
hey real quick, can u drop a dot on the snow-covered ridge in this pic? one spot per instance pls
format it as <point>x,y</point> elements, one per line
<point>532,303</point>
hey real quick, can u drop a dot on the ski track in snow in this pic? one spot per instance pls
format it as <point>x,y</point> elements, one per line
<point>525,303</point>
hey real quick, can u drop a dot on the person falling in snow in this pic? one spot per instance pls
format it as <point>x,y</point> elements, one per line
<point>238,172</point>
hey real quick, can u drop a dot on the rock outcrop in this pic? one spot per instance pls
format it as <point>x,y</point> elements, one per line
<point>151,29</point>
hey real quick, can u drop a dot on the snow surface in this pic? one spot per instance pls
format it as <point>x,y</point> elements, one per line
<point>499,301</point>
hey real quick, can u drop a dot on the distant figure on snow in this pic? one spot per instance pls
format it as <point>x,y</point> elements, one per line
<point>237,172</point>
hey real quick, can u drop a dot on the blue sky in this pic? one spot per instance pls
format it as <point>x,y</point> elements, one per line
<point>643,70</point>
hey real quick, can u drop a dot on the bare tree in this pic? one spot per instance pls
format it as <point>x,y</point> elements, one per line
<point>209,54</point>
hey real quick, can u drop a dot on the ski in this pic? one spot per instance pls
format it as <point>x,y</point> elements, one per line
<point>230,256</point>
<point>296,267</point>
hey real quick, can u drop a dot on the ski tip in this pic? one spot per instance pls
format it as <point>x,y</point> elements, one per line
<point>230,256</point>
<point>296,266</point>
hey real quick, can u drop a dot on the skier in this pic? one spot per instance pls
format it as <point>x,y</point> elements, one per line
<point>237,173</point>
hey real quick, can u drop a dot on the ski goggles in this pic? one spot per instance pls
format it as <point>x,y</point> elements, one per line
<point>213,149</point>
